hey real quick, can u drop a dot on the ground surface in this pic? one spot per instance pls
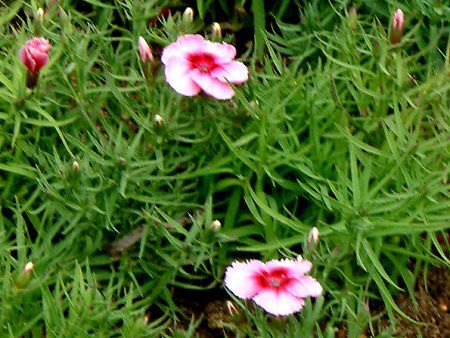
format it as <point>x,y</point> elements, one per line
<point>432,306</point>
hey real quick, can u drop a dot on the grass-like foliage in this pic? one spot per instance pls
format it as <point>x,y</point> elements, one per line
<point>337,128</point>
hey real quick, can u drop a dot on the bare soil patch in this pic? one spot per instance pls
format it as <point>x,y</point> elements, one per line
<point>433,302</point>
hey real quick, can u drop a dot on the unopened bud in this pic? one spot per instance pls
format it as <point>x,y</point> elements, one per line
<point>121,160</point>
<point>65,19</point>
<point>24,277</point>
<point>398,26</point>
<point>29,267</point>
<point>253,104</point>
<point>443,308</point>
<point>75,166</point>
<point>188,15</point>
<point>40,15</point>
<point>216,225</point>
<point>159,120</point>
<point>144,50</point>
<point>216,30</point>
<point>147,318</point>
<point>313,237</point>
<point>352,17</point>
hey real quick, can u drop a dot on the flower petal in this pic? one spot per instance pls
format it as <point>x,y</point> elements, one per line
<point>304,286</point>
<point>296,268</point>
<point>240,278</point>
<point>278,303</point>
<point>186,44</point>
<point>212,86</point>
<point>40,58</point>
<point>235,72</point>
<point>27,59</point>
<point>177,75</point>
<point>39,43</point>
<point>223,52</point>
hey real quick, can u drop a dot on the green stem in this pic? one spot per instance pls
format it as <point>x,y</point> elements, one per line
<point>259,25</point>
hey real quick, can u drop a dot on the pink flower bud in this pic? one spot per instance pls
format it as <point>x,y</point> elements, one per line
<point>34,54</point>
<point>144,50</point>
<point>399,20</point>
<point>398,25</point>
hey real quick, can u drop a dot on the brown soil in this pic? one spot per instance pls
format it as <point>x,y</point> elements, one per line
<point>215,319</point>
<point>433,302</point>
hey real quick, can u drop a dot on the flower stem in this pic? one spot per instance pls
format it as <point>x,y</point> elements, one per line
<point>32,79</point>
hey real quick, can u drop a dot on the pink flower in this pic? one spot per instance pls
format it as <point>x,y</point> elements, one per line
<point>194,64</point>
<point>278,286</point>
<point>144,50</point>
<point>398,25</point>
<point>34,54</point>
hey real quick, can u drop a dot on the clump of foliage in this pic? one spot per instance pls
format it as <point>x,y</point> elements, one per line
<point>337,128</point>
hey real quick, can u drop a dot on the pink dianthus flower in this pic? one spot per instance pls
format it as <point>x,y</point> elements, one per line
<point>278,286</point>
<point>193,64</point>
